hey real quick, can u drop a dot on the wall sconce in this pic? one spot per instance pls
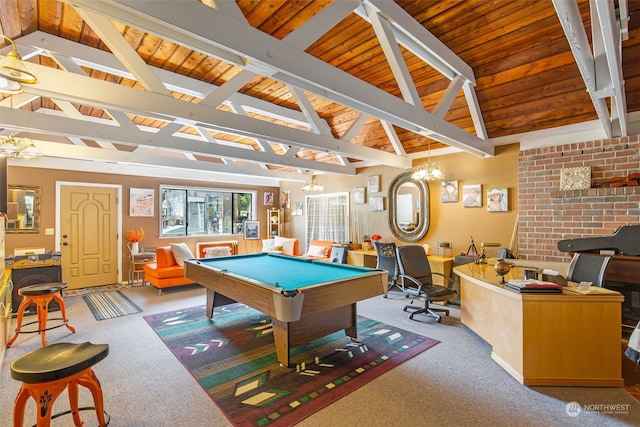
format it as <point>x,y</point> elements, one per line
<point>18,148</point>
<point>312,185</point>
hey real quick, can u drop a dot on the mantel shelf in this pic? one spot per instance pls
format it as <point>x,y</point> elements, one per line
<point>600,191</point>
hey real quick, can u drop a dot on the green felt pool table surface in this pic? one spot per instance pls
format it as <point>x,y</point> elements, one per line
<point>289,273</point>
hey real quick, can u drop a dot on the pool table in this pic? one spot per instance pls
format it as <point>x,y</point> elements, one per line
<point>306,299</point>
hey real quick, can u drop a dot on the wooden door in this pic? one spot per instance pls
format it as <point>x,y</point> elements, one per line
<point>89,235</point>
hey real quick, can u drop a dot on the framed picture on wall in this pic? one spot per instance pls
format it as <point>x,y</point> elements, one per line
<point>376,204</point>
<point>449,191</point>
<point>497,199</point>
<point>472,195</point>
<point>373,184</point>
<point>251,230</point>
<point>360,195</point>
<point>285,203</point>
<point>268,199</point>
<point>297,209</point>
<point>141,202</point>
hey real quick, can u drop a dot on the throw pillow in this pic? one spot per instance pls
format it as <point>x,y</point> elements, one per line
<point>287,244</point>
<point>268,244</point>
<point>317,251</point>
<point>216,251</point>
<point>181,252</point>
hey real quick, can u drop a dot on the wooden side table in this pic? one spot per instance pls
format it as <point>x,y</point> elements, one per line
<point>136,266</point>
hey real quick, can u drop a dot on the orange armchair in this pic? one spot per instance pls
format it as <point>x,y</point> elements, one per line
<point>165,272</point>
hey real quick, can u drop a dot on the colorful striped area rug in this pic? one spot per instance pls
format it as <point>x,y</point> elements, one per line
<point>108,305</point>
<point>233,359</point>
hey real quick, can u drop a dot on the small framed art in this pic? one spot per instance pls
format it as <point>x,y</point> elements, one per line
<point>376,204</point>
<point>497,199</point>
<point>449,191</point>
<point>285,203</point>
<point>360,195</point>
<point>297,209</point>
<point>268,199</point>
<point>472,195</point>
<point>373,184</point>
<point>575,178</point>
<point>251,230</point>
<point>141,202</point>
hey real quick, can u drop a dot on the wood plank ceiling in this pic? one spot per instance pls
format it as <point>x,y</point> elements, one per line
<point>282,89</point>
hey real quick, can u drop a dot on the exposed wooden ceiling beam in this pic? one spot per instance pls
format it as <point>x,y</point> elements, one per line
<point>64,126</point>
<point>193,23</point>
<point>602,79</point>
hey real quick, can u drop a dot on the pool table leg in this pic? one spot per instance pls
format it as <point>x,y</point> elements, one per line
<point>216,299</point>
<point>287,335</point>
<point>281,341</point>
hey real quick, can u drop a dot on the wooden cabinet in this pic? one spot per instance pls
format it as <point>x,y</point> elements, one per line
<point>275,226</point>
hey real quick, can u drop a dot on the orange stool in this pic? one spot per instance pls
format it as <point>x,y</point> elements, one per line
<point>41,294</point>
<point>48,371</point>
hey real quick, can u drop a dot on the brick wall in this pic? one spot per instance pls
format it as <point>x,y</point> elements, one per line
<point>547,214</point>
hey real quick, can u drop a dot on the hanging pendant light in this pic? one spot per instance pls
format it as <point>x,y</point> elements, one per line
<point>18,148</point>
<point>12,67</point>
<point>10,87</point>
<point>312,185</point>
<point>429,171</point>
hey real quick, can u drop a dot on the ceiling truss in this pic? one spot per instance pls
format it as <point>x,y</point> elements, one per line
<point>219,30</point>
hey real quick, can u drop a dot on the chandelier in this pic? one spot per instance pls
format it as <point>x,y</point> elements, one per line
<point>429,171</point>
<point>18,148</point>
<point>312,185</point>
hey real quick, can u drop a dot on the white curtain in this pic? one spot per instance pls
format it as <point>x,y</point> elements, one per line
<point>327,217</point>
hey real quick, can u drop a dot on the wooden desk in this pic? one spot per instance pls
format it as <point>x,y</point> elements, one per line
<point>362,258</point>
<point>442,265</point>
<point>544,339</point>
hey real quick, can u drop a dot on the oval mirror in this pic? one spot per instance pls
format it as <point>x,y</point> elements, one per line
<point>408,208</point>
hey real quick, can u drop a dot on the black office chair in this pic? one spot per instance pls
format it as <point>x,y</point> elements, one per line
<point>417,277</point>
<point>386,260</point>
<point>586,267</point>
<point>455,279</point>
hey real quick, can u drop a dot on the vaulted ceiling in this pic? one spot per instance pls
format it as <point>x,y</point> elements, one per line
<point>282,89</point>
